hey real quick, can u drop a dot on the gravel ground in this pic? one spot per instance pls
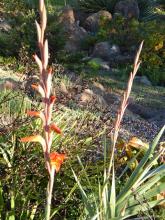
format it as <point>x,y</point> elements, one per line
<point>132,124</point>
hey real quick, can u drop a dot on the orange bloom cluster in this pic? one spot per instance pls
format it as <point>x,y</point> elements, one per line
<point>56,160</point>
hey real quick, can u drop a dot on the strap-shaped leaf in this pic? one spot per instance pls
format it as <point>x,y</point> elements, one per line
<point>134,210</point>
<point>113,195</point>
<point>84,196</point>
<point>139,170</point>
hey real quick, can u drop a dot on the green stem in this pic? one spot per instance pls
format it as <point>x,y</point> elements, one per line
<point>49,194</point>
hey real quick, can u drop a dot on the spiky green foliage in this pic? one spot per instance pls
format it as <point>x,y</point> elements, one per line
<point>138,194</point>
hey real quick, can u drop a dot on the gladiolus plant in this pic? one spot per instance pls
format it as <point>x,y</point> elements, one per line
<point>53,160</point>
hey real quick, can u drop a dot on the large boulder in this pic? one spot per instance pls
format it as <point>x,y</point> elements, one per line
<point>121,59</point>
<point>105,51</point>
<point>9,84</point>
<point>128,8</point>
<point>92,22</point>
<point>143,80</point>
<point>74,34</point>
<point>81,16</point>
<point>67,16</point>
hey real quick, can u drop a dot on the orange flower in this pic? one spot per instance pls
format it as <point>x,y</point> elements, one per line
<point>37,114</point>
<point>56,129</point>
<point>35,138</point>
<point>34,113</point>
<point>39,89</point>
<point>56,160</point>
<point>52,99</point>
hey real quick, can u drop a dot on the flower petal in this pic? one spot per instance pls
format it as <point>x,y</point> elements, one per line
<point>56,129</point>
<point>35,138</point>
<point>41,5</point>
<point>39,89</point>
<point>46,54</point>
<point>34,113</point>
<point>56,160</point>
<point>38,61</point>
<point>52,99</point>
<point>37,114</point>
<point>38,31</point>
<point>49,81</point>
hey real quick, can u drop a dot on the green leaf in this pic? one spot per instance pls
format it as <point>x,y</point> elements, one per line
<point>113,195</point>
<point>139,170</point>
<point>134,210</point>
<point>1,199</point>
<point>153,192</point>
<point>84,196</point>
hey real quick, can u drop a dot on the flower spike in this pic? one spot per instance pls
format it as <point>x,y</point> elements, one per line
<point>53,161</point>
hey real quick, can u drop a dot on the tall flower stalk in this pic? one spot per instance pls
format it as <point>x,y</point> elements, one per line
<point>124,104</point>
<point>53,160</point>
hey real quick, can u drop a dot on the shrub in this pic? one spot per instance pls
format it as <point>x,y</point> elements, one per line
<point>127,34</point>
<point>145,6</point>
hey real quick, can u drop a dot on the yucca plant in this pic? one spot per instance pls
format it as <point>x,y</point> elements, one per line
<point>137,196</point>
<point>139,191</point>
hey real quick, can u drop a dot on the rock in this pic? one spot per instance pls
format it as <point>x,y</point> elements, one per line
<point>75,36</point>
<point>5,26</point>
<point>127,8</point>
<point>81,16</point>
<point>143,80</point>
<point>105,98</point>
<point>92,22</point>
<point>115,49</point>
<point>105,51</point>
<point>158,118</point>
<point>111,98</point>
<point>77,89</point>
<point>119,59</point>
<point>99,91</point>
<point>85,59</point>
<point>98,63</point>
<point>9,84</point>
<point>99,86</point>
<point>67,16</point>
<point>101,102</point>
<point>140,110</point>
<point>152,115</point>
<point>87,95</point>
<point>63,88</point>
